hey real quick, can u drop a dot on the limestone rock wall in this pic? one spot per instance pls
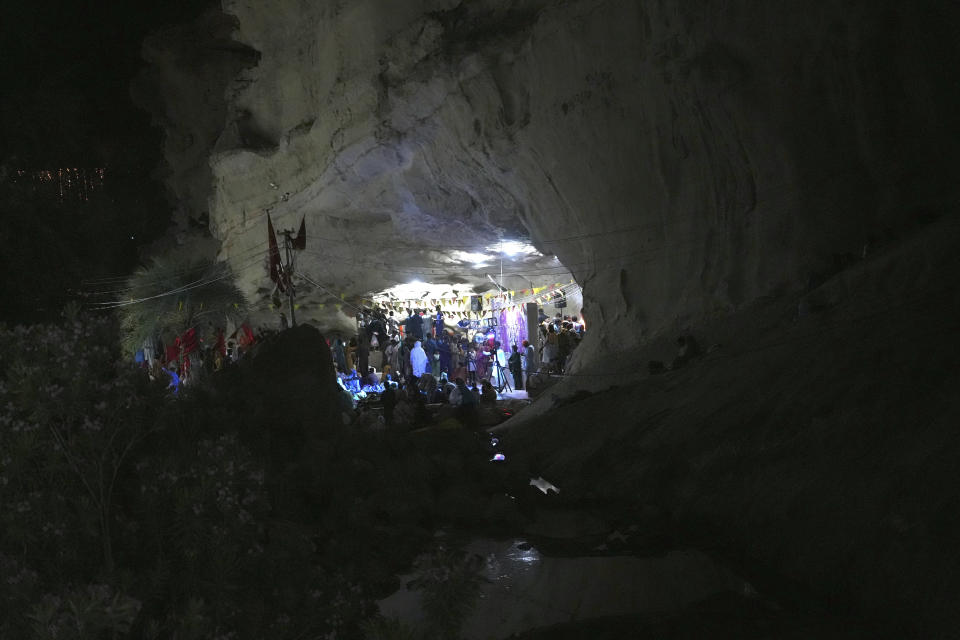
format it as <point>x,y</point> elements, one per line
<point>680,159</point>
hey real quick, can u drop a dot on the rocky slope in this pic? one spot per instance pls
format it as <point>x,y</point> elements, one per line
<point>680,159</point>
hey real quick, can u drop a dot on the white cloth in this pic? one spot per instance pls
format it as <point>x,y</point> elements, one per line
<point>529,359</point>
<point>418,360</point>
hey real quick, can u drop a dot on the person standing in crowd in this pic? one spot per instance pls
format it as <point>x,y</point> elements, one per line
<point>392,325</point>
<point>459,357</point>
<point>430,347</point>
<point>563,347</point>
<point>414,326</point>
<point>390,355</point>
<point>363,352</point>
<point>529,362</point>
<point>576,326</point>
<point>377,329</point>
<point>339,356</point>
<point>403,358</point>
<point>501,359</point>
<point>435,362</point>
<point>438,322</point>
<point>516,368</point>
<point>350,355</point>
<point>484,360</point>
<point>443,347</point>
<point>426,323</point>
<point>418,360</point>
<point>551,349</point>
<point>472,365</point>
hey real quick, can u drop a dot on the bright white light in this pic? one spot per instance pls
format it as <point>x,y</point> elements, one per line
<point>511,248</point>
<point>474,258</point>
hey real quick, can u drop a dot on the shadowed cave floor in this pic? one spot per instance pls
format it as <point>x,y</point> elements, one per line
<point>814,452</point>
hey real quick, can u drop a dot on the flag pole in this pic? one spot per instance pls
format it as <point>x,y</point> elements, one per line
<point>288,247</point>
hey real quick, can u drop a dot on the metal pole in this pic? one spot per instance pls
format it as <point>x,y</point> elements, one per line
<point>288,246</point>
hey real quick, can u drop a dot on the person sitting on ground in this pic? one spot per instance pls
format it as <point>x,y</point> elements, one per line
<point>352,381</point>
<point>427,384</point>
<point>389,400</point>
<point>439,394</point>
<point>488,396</point>
<point>174,378</point>
<point>456,395</point>
<point>371,379</point>
<point>466,405</point>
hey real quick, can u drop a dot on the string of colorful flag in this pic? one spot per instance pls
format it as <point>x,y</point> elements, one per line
<point>461,304</point>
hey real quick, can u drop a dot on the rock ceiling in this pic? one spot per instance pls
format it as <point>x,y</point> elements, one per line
<point>676,159</point>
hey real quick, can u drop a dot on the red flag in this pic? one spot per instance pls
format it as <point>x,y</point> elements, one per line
<point>300,242</point>
<point>276,267</point>
<point>188,341</point>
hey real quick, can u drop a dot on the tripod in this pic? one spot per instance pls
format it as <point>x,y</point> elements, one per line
<point>504,383</point>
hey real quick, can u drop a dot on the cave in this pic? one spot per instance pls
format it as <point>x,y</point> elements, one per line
<point>777,179</point>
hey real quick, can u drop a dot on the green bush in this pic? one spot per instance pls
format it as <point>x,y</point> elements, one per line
<point>229,511</point>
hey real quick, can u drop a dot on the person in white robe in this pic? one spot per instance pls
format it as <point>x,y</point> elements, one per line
<point>418,360</point>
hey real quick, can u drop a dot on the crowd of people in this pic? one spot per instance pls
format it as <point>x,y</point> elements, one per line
<point>424,360</point>
<point>411,362</point>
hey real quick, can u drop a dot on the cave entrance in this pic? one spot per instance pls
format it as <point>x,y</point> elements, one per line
<point>496,292</point>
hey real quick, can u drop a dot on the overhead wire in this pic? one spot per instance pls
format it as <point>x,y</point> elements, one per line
<point>253,252</point>
<point>328,291</point>
<point>201,282</point>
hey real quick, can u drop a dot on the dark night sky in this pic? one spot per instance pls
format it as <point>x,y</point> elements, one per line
<point>66,70</point>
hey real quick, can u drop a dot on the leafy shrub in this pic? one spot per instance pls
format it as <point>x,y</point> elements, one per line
<point>229,511</point>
